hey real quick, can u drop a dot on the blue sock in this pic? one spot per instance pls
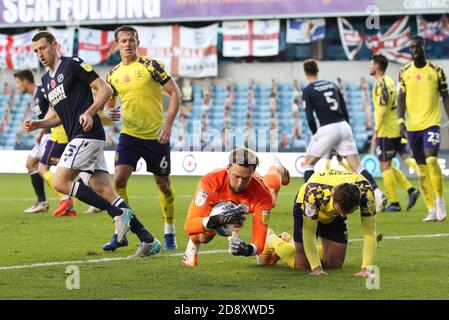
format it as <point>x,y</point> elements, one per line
<point>135,225</point>
<point>308,174</point>
<point>87,195</point>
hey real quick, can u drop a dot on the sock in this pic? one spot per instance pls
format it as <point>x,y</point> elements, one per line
<point>368,177</point>
<point>345,166</point>
<point>285,250</point>
<point>436,176</point>
<point>194,240</point>
<point>38,185</point>
<point>308,172</point>
<point>412,164</point>
<point>48,177</point>
<point>328,164</point>
<point>169,229</point>
<point>87,195</point>
<point>426,186</point>
<point>388,176</point>
<point>378,194</point>
<point>122,192</point>
<point>135,225</point>
<point>193,245</point>
<point>319,247</point>
<point>401,179</point>
<point>167,205</point>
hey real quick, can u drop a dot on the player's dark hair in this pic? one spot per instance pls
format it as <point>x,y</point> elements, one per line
<point>381,61</point>
<point>44,34</point>
<point>243,157</point>
<point>311,67</point>
<point>347,196</point>
<point>125,28</point>
<point>26,74</point>
<point>419,39</point>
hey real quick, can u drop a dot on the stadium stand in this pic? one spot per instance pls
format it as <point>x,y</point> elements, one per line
<point>247,111</point>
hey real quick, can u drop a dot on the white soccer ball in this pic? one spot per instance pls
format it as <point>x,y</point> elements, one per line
<point>227,229</point>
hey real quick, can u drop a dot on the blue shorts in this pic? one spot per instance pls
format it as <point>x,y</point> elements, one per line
<point>336,231</point>
<point>387,147</point>
<point>131,149</point>
<point>422,140</point>
<point>53,152</point>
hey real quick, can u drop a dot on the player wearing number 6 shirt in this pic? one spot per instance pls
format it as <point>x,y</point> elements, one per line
<point>68,85</point>
<point>241,184</point>
<point>325,99</point>
<point>421,85</point>
<point>139,81</point>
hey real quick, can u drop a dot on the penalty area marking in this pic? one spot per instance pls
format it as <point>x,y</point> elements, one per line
<point>61,263</point>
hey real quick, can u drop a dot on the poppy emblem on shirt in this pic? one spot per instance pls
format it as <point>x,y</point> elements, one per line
<point>418,77</point>
<point>52,83</point>
<point>126,78</point>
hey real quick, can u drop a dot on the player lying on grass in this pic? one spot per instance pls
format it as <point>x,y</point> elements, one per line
<point>321,209</point>
<point>241,184</point>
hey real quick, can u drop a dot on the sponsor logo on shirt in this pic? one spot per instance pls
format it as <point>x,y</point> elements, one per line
<point>56,95</point>
<point>201,197</point>
<point>265,216</point>
<point>86,67</point>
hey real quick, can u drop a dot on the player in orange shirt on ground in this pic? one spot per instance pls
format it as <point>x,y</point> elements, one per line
<point>242,185</point>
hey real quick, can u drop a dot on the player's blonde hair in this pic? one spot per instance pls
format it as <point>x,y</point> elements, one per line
<point>243,157</point>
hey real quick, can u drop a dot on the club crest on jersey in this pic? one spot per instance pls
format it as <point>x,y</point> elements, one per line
<point>201,197</point>
<point>60,77</point>
<point>86,66</point>
<point>139,74</point>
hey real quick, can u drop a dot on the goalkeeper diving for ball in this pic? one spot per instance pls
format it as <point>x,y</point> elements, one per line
<point>250,193</point>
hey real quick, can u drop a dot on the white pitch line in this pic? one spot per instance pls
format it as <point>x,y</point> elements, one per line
<point>61,263</point>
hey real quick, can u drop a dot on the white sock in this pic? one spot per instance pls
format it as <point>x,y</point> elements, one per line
<point>169,229</point>
<point>378,194</point>
<point>192,248</point>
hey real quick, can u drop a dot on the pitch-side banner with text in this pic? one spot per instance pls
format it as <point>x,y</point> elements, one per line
<point>82,12</point>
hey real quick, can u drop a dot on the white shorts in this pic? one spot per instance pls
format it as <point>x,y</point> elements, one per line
<point>84,155</point>
<point>335,136</point>
<point>39,148</point>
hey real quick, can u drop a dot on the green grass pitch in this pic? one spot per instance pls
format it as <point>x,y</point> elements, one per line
<point>410,268</point>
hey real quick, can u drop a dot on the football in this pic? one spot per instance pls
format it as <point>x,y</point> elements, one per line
<point>227,229</point>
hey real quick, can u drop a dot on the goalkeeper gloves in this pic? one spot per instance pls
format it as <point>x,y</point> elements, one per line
<point>233,216</point>
<point>238,247</point>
